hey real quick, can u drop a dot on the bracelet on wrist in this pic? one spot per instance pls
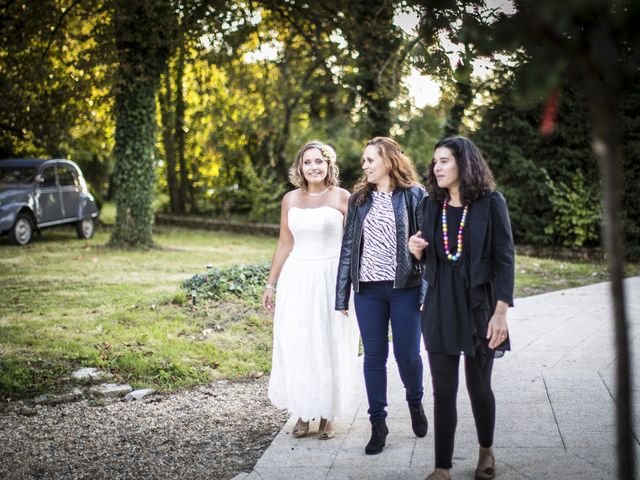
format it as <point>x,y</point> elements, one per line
<point>269,286</point>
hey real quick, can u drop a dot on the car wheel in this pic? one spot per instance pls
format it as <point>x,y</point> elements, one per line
<point>22,231</point>
<point>86,228</point>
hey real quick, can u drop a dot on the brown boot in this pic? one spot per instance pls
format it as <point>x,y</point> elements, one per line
<point>440,474</point>
<point>486,469</point>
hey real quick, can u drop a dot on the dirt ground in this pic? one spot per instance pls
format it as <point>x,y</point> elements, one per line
<point>210,432</point>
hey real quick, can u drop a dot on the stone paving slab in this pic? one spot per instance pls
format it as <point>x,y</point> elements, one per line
<point>555,397</point>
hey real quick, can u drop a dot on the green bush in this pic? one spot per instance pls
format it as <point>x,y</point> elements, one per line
<point>244,191</point>
<point>631,173</point>
<point>246,281</point>
<point>577,212</point>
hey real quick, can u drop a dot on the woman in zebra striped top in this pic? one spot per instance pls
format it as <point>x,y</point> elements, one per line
<point>376,261</point>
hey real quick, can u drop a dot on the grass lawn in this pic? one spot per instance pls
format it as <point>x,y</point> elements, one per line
<point>66,303</point>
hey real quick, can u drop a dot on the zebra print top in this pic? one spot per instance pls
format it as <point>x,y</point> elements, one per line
<point>378,262</point>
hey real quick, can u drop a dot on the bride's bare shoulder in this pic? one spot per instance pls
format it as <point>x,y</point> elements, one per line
<point>343,193</point>
<point>290,197</point>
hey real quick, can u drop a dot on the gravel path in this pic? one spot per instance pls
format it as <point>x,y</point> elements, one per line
<point>210,432</point>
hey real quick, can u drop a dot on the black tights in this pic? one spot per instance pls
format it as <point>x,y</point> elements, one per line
<point>444,375</point>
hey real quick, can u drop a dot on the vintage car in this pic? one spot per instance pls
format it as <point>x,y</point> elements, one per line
<point>36,194</point>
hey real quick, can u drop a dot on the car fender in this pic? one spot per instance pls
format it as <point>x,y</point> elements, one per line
<point>9,212</point>
<point>88,207</point>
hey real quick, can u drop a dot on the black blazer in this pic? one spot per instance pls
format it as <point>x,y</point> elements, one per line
<point>489,243</point>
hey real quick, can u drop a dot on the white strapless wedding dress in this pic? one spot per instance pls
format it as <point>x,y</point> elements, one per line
<point>314,347</point>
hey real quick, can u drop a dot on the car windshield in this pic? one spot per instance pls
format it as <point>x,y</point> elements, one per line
<point>11,176</point>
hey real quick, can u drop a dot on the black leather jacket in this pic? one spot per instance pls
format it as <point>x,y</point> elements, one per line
<point>349,266</point>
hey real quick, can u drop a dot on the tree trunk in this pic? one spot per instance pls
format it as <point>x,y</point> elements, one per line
<point>282,163</point>
<point>192,193</point>
<point>142,31</point>
<point>603,82</point>
<point>183,190</point>
<point>134,173</point>
<point>168,127</point>
<point>607,137</point>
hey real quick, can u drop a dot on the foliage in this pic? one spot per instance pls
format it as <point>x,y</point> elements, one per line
<point>631,171</point>
<point>240,190</point>
<point>577,212</point>
<point>420,131</point>
<point>448,52</point>
<point>245,91</point>
<point>244,281</point>
<point>519,173</point>
<point>54,86</point>
<point>523,168</point>
<point>245,84</point>
<point>194,19</point>
<point>376,78</point>
<point>367,67</point>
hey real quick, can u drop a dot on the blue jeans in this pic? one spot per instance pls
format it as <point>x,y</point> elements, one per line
<point>376,303</point>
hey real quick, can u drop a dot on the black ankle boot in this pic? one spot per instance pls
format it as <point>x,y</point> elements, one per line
<point>418,420</point>
<point>379,432</point>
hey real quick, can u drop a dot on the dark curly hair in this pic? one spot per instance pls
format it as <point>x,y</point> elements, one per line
<point>476,179</point>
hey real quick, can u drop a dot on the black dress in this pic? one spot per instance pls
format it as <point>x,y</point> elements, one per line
<point>455,317</point>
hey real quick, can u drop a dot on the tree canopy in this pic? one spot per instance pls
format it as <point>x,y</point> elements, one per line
<point>198,107</point>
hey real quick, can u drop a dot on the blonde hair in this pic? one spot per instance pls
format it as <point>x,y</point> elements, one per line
<point>296,175</point>
<point>401,171</point>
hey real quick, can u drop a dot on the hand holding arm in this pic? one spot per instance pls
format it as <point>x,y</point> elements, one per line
<point>417,244</point>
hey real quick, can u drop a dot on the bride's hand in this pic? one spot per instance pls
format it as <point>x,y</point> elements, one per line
<point>267,299</point>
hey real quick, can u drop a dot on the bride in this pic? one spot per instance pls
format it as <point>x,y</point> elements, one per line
<point>314,347</point>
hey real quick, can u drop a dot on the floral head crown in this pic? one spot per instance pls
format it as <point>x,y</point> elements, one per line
<point>328,153</point>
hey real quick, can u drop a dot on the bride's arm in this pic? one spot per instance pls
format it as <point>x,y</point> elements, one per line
<point>284,247</point>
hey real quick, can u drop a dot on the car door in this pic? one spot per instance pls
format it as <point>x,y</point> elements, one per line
<point>49,202</point>
<point>69,190</point>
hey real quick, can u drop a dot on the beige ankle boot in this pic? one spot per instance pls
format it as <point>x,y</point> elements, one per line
<point>486,469</point>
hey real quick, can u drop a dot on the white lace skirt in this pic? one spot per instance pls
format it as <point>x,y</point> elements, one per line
<point>314,347</point>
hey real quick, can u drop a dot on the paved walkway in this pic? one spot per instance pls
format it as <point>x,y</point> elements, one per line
<point>555,394</point>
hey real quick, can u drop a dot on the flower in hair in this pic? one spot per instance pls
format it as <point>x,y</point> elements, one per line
<point>328,153</point>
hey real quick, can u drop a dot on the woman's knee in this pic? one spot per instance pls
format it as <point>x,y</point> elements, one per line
<point>444,388</point>
<point>408,362</point>
<point>480,393</point>
<point>375,356</point>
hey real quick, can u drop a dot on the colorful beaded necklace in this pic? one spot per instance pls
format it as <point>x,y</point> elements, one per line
<point>452,257</point>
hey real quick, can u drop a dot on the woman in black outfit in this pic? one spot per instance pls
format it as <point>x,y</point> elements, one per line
<point>470,271</point>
